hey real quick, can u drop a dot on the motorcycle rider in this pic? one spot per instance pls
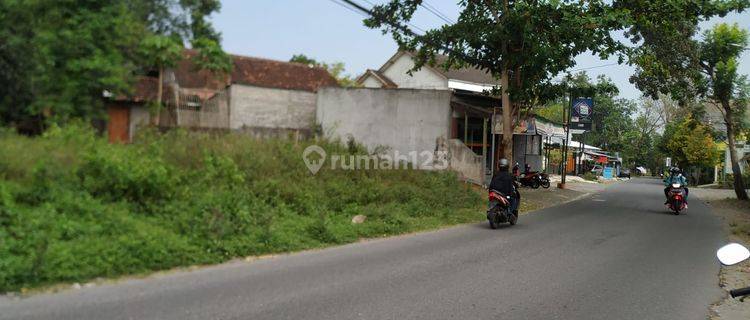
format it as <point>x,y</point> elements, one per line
<point>504,183</point>
<point>675,176</point>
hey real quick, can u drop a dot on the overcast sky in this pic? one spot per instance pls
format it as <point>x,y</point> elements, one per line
<point>326,31</point>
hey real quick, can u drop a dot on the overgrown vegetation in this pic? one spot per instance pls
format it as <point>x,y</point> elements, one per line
<point>589,176</point>
<point>73,207</point>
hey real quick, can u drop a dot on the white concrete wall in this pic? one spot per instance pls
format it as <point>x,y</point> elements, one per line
<point>465,162</point>
<point>371,82</point>
<point>741,152</point>
<point>139,117</point>
<point>404,120</point>
<point>422,79</point>
<point>256,107</point>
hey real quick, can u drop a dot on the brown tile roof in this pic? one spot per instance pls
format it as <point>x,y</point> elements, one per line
<point>246,70</point>
<point>144,89</point>
<point>281,75</point>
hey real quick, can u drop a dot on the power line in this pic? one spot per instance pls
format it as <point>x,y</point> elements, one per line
<point>406,30</point>
<point>594,67</point>
<point>558,79</point>
<point>409,23</point>
<point>436,12</point>
<point>349,8</point>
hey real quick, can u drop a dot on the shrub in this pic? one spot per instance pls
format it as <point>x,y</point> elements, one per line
<point>589,176</point>
<point>73,207</point>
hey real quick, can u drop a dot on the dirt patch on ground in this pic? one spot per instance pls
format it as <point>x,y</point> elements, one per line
<point>736,217</point>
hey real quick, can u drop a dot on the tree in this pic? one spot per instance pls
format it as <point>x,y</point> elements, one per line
<point>719,52</point>
<point>62,55</point>
<point>522,43</point>
<point>57,58</point>
<point>336,69</point>
<point>690,143</point>
<point>160,52</point>
<point>211,57</point>
<point>643,138</point>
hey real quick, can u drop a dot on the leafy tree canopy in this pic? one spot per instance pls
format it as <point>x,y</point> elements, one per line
<point>690,143</point>
<point>58,57</point>
<point>336,69</point>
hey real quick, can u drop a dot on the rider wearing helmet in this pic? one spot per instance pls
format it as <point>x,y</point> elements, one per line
<point>503,182</point>
<point>675,176</point>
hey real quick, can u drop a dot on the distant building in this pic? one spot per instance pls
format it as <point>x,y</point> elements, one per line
<point>430,109</point>
<point>394,73</point>
<point>743,157</point>
<point>261,96</point>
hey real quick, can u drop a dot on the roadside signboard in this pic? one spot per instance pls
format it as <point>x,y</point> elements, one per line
<point>580,114</point>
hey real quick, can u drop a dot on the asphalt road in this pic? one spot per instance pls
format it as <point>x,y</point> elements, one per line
<point>615,255</point>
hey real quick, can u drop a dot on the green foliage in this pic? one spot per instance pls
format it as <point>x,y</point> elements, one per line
<point>552,112</point>
<point>70,52</point>
<point>59,57</point>
<point>211,57</point>
<point>589,176</point>
<point>690,143</point>
<point>160,52</point>
<point>531,40</point>
<point>336,69</point>
<point>73,207</point>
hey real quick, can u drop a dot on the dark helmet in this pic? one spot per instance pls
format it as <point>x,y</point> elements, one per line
<point>675,170</point>
<point>503,164</point>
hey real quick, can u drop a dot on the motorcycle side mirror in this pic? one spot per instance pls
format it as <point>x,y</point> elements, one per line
<point>732,253</point>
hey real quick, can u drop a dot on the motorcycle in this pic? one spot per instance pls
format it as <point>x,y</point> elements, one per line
<point>732,254</point>
<point>676,201</point>
<point>534,180</point>
<point>501,211</point>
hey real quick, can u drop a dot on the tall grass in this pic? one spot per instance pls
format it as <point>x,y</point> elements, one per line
<point>73,207</point>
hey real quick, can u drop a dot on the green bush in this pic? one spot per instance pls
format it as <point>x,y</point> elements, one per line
<point>74,207</point>
<point>589,176</point>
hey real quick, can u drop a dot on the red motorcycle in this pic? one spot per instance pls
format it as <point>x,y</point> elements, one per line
<point>501,211</point>
<point>676,201</point>
<point>530,178</point>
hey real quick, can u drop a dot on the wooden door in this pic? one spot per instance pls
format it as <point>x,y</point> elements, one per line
<point>118,126</point>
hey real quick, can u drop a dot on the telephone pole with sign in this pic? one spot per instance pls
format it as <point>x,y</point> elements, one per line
<point>579,119</point>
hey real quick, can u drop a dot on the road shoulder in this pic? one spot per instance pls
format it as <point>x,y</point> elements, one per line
<point>735,215</point>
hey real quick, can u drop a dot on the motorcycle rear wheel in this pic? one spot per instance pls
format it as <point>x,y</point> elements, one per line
<point>676,208</point>
<point>513,219</point>
<point>493,225</point>
<point>534,184</point>
<point>545,184</point>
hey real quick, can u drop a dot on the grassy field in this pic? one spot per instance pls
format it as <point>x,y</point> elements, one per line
<point>74,208</point>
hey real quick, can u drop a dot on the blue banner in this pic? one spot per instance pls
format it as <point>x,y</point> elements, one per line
<point>583,108</point>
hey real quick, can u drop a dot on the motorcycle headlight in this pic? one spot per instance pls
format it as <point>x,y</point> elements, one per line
<point>675,185</point>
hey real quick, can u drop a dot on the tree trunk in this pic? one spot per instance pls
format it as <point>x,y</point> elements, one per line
<point>739,185</point>
<point>159,91</point>
<point>507,142</point>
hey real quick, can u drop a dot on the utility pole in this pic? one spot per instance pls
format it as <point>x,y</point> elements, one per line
<point>566,126</point>
<point>484,147</point>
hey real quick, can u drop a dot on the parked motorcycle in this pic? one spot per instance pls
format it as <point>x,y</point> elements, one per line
<point>534,180</point>
<point>676,201</point>
<point>732,254</point>
<point>501,211</point>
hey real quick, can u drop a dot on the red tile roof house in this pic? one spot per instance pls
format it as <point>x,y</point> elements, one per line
<point>261,96</point>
